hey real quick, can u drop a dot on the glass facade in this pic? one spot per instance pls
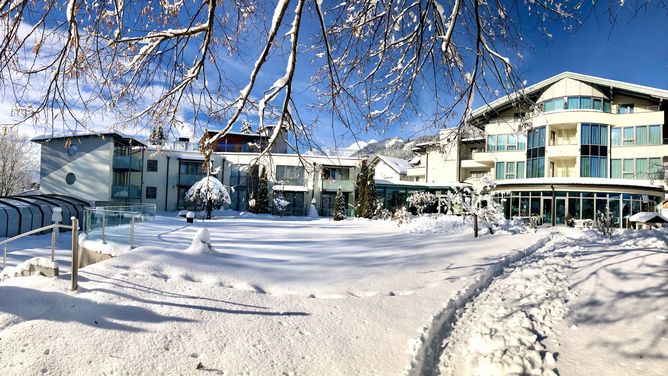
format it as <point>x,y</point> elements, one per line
<point>506,142</point>
<point>577,103</point>
<point>638,135</point>
<point>564,205</point>
<point>593,150</point>
<point>637,168</point>
<point>535,164</point>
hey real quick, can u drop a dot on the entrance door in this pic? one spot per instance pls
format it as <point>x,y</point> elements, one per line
<point>547,210</point>
<point>560,211</point>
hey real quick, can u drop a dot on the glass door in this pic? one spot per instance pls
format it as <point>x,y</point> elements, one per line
<point>547,210</point>
<point>560,211</point>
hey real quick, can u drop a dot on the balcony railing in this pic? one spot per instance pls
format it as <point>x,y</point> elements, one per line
<point>190,179</point>
<point>125,191</point>
<point>333,185</point>
<point>127,162</point>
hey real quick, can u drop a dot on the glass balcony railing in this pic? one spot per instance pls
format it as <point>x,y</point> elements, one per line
<point>190,179</point>
<point>126,162</point>
<point>125,191</point>
<point>333,185</point>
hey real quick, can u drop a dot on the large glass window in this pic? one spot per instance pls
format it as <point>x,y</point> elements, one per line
<point>536,153</point>
<point>597,104</point>
<point>522,142</point>
<point>548,106</point>
<point>520,170</point>
<point>616,168</point>
<point>604,135</point>
<point>336,173</point>
<point>616,136</point>
<point>625,108</point>
<point>641,135</point>
<point>584,167</point>
<point>655,168</point>
<point>290,175</point>
<point>500,170</point>
<point>501,142</point>
<point>655,134</point>
<point>491,143</point>
<point>627,172</point>
<point>606,106</point>
<point>510,170</point>
<point>573,103</point>
<point>512,142</point>
<point>585,102</point>
<point>585,134</point>
<point>641,168</point>
<point>628,135</point>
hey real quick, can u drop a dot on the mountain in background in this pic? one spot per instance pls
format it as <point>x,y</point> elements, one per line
<point>392,147</point>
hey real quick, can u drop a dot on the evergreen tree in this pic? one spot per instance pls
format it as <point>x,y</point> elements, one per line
<point>360,191</point>
<point>246,127</point>
<point>262,201</point>
<point>370,199</point>
<point>339,206</point>
<point>157,135</point>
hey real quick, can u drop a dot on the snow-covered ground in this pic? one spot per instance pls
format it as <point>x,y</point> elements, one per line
<point>297,296</point>
<point>277,296</point>
<point>581,305</point>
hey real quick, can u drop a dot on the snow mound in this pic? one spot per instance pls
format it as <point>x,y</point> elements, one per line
<point>201,243</point>
<point>436,223</point>
<point>27,267</point>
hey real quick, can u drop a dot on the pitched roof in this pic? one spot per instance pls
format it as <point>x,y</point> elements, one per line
<point>54,136</point>
<point>397,164</point>
<point>620,85</point>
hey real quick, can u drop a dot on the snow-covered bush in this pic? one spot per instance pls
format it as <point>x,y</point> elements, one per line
<point>209,193</point>
<point>605,224</point>
<point>280,203</point>
<point>477,202</point>
<point>422,201</point>
<point>402,216</point>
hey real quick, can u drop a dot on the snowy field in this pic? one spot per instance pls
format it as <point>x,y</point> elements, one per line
<point>316,297</point>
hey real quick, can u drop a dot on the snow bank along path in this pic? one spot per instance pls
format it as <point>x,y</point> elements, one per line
<point>580,305</point>
<point>269,297</point>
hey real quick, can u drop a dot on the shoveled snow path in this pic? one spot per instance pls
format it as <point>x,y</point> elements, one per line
<point>581,305</point>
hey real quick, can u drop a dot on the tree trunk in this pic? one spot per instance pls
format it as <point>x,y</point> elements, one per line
<point>209,208</point>
<point>475,225</point>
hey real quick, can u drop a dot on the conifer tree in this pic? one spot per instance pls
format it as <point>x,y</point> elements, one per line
<point>262,201</point>
<point>370,193</point>
<point>339,206</point>
<point>360,191</point>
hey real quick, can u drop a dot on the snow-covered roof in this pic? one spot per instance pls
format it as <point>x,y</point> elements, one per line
<point>397,164</point>
<point>415,161</point>
<point>192,157</point>
<point>59,135</point>
<point>579,181</point>
<point>634,88</point>
<point>648,217</point>
<point>289,188</point>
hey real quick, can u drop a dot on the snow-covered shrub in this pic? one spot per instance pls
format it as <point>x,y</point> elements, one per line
<point>402,216</point>
<point>280,203</point>
<point>209,193</point>
<point>605,224</point>
<point>421,201</point>
<point>477,202</point>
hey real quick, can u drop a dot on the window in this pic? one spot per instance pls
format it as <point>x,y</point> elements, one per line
<point>655,168</point>
<point>628,136</point>
<point>627,172</point>
<point>548,106</point>
<point>152,165</point>
<point>336,173</point>
<point>616,135</point>
<point>510,170</point>
<point>642,171</point>
<point>585,167</point>
<point>501,142</point>
<point>151,193</point>
<point>625,108</point>
<point>535,164</point>
<point>597,104</point>
<point>593,167</point>
<point>520,170</point>
<point>585,134</point>
<point>573,103</point>
<point>290,175</point>
<point>500,170</point>
<point>655,134</point>
<point>522,142</point>
<point>512,143</point>
<point>491,143</point>
<point>595,134</point>
<point>585,103</point>
<point>604,135</point>
<point>606,106</point>
<point>70,178</point>
<point>558,104</point>
<point>616,168</point>
<point>641,135</point>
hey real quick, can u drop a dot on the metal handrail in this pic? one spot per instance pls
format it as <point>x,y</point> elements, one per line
<point>75,246</point>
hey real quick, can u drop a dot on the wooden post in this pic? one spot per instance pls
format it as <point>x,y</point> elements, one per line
<point>75,253</point>
<point>475,225</point>
<point>132,230</point>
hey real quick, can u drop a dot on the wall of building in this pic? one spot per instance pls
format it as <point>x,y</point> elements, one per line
<point>91,166</point>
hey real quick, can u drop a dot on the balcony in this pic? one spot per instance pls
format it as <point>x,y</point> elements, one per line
<point>563,150</point>
<point>125,192</point>
<point>187,180</point>
<point>470,163</point>
<point>127,162</point>
<point>333,185</point>
<point>483,157</point>
<point>416,171</point>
